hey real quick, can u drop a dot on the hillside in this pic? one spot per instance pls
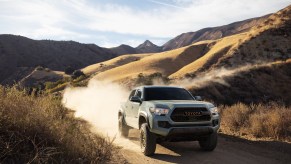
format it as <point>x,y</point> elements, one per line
<point>18,53</point>
<point>212,33</point>
<point>115,62</point>
<point>253,85</point>
<point>266,42</point>
<point>165,62</point>
<point>40,76</point>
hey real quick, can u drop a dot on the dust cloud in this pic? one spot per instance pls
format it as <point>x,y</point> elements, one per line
<point>217,76</point>
<point>97,103</point>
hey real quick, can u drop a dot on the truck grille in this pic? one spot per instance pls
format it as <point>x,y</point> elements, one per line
<point>190,114</point>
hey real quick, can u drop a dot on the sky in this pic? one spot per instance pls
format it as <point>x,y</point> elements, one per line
<point>109,23</point>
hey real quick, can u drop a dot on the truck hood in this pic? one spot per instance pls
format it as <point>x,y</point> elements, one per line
<point>180,103</point>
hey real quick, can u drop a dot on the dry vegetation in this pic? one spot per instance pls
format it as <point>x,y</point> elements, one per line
<point>272,120</point>
<point>41,130</point>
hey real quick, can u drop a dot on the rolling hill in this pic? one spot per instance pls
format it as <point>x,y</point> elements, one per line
<point>165,62</point>
<point>212,33</point>
<point>115,62</point>
<point>18,53</point>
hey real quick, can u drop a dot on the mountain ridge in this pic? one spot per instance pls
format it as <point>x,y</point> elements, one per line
<point>213,33</point>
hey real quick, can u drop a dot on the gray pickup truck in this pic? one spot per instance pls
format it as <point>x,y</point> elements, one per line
<point>168,114</point>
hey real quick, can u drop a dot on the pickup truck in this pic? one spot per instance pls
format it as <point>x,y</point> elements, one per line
<point>163,113</point>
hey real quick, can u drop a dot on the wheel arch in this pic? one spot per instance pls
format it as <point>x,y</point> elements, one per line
<point>142,119</point>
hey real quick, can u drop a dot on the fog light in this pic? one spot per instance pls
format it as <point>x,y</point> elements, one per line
<point>163,124</point>
<point>214,122</point>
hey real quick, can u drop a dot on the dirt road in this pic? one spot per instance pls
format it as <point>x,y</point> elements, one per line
<point>229,150</point>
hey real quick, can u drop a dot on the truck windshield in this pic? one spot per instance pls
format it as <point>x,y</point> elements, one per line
<point>166,94</point>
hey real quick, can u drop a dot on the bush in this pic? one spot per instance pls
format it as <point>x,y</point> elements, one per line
<point>271,120</point>
<point>39,68</point>
<point>58,88</point>
<point>69,70</point>
<point>236,116</point>
<point>77,74</point>
<point>40,130</point>
<point>80,78</point>
<point>47,69</point>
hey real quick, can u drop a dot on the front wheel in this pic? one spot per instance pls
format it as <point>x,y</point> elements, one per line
<point>122,127</point>
<point>209,143</point>
<point>147,140</point>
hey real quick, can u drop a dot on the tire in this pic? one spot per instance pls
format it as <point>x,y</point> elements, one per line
<point>209,143</point>
<point>147,140</point>
<point>122,127</point>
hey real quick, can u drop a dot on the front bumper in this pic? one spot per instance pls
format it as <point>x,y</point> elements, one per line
<point>183,128</point>
<point>195,131</point>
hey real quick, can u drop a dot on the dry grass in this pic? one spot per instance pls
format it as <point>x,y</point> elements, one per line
<point>271,120</point>
<point>166,63</point>
<point>115,62</point>
<point>41,130</point>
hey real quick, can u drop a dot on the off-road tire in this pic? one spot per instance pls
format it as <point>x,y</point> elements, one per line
<point>147,140</point>
<point>209,143</point>
<point>122,127</point>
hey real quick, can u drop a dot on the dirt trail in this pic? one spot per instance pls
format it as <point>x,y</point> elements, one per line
<point>229,150</point>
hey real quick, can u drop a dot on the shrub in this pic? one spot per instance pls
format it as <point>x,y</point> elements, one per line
<point>69,70</point>
<point>101,65</point>
<point>77,74</point>
<point>58,88</point>
<point>236,116</point>
<point>262,120</point>
<point>80,78</point>
<point>47,69</point>
<point>50,85</point>
<point>40,130</point>
<point>273,121</point>
<point>39,68</point>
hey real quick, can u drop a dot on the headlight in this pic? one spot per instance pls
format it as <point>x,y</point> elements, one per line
<point>213,110</point>
<point>159,111</point>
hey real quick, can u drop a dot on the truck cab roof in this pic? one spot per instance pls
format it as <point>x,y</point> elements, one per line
<point>156,86</point>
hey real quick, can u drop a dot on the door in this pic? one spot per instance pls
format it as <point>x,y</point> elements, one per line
<point>128,109</point>
<point>135,107</point>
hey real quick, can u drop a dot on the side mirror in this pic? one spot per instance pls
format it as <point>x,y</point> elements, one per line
<point>135,99</point>
<point>198,98</point>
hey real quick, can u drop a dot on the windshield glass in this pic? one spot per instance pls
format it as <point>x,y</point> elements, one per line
<point>167,94</point>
